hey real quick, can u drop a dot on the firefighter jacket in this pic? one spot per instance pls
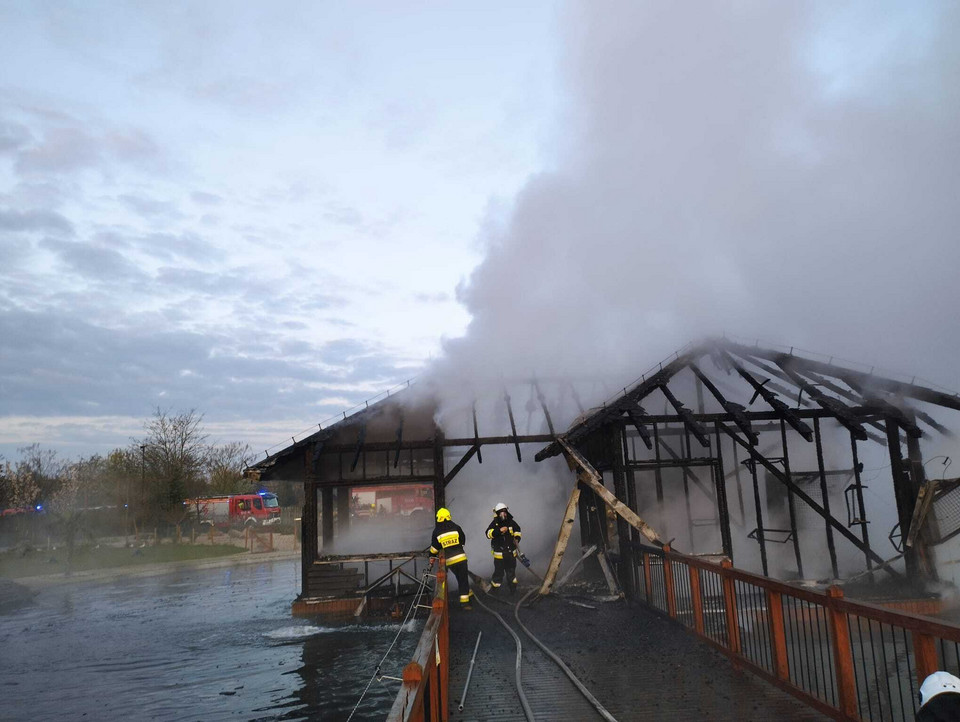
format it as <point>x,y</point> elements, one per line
<point>450,538</point>
<point>503,543</point>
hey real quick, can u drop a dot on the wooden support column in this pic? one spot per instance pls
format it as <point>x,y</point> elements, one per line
<point>758,510</point>
<point>904,495</point>
<point>343,510</point>
<point>917,480</point>
<point>860,506</point>
<point>723,508</point>
<point>326,517</point>
<point>439,491</point>
<point>791,505</point>
<point>308,520</point>
<point>825,494</point>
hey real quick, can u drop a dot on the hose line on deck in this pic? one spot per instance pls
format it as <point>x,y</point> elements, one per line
<point>566,670</point>
<point>527,711</point>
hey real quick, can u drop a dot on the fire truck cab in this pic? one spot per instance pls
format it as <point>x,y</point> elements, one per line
<point>237,510</point>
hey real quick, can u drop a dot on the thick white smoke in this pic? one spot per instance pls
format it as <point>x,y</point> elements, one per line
<point>775,170</point>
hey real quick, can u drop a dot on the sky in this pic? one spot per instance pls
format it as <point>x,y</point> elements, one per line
<point>260,211</point>
<point>271,212</point>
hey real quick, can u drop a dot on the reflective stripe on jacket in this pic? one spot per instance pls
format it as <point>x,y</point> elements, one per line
<point>449,538</point>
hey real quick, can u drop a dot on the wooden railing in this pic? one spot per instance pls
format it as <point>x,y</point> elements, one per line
<point>424,693</point>
<point>849,660</point>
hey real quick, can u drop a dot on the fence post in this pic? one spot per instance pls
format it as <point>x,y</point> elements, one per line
<point>696,599</point>
<point>925,655</point>
<point>412,676</point>
<point>443,643</point>
<point>778,638</point>
<point>668,583</point>
<point>842,655</point>
<point>647,577</point>
<point>730,605</point>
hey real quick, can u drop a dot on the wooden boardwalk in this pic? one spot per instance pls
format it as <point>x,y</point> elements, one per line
<point>638,664</point>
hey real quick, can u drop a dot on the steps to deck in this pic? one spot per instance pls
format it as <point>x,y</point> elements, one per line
<point>328,580</point>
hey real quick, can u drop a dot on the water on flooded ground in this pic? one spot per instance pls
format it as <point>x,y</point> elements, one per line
<point>192,645</point>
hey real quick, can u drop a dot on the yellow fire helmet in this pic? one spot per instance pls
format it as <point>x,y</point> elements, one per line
<point>443,514</point>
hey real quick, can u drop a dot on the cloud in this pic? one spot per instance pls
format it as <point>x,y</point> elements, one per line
<point>13,136</point>
<point>61,150</point>
<point>35,220</point>
<point>97,264</point>
<point>206,199</point>
<point>151,208</point>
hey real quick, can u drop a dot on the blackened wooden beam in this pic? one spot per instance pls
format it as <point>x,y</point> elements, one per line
<point>361,437</point>
<point>866,380</point>
<point>689,420</point>
<point>864,405</point>
<point>687,474</point>
<point>774,372</point>
<point>476,434</point>
<point>791,505</point>
<point>723,508</point>
<point>839,409</point>
<point>460,464</point>
<point>779,475</point>
<point>904,493</point>
<point>396,456</point>
<point>771,399</point>
<point>429,444</point>
<point>825,496</point>
<point>513,425</point>
<point>543,405</point>
<point>735,410</point>
<point>636,415</point>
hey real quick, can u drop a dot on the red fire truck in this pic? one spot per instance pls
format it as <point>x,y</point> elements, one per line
<point>411,500</point>
<point>236,510</point>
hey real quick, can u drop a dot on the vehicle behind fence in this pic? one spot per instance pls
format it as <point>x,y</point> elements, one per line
<point>850,660</point>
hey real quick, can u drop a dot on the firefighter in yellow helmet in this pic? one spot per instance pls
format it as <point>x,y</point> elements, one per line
<point>449,538</point>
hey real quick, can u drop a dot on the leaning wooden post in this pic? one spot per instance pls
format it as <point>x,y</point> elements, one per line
<point>842,655</point>
<point>730,604</point>
<point>778,639</point>
<point>668,583</point>
<point>562,539</point>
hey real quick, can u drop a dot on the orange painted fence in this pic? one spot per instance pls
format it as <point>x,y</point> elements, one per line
<point>424,694</point>
<point>849,660</point>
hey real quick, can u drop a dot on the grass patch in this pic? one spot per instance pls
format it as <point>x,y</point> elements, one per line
<point>40,562</point>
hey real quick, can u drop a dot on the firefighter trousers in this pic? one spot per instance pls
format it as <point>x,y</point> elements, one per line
<point>459,570</point>
<point>505,566</point>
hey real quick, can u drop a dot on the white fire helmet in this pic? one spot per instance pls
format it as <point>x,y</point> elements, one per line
<point>500,507</point>
<point>938,683</point>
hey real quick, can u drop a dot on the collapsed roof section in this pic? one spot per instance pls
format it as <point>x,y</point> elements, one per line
<point>786,383</point>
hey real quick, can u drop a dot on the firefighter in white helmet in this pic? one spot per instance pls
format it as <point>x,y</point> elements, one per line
<point>504,535</point>
<point>939,698</point>
<point>449,537</point>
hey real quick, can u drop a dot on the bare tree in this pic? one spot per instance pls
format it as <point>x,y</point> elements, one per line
<point>225,465</point>
<point>174,456</point>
